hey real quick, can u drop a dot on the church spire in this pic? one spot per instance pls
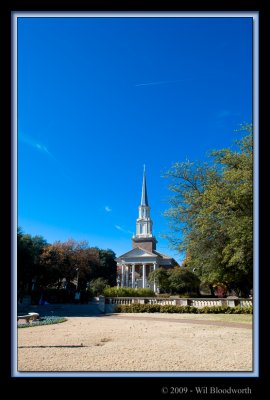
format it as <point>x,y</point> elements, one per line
<point>144,237</point>
<point>144,198</point>
<point>144,222</point>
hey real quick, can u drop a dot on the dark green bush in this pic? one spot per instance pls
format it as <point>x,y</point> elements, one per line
<point>213,310</point>
<point>138,308</point>
<point>177,309</point>
<point>242,310</point>
<point>97,286</point>
<point>127,292</point>
<point>154,308</point>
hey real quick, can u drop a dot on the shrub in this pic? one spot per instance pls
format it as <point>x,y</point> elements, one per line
<point>127,292</point>
<point>225,310</point>
<point>212,310</point>
<point>97,286</point>
<point>242,310</point>
<point>177,309</point>
<point>153,308</point>
<point>163,295</point>
<point>138,308</point>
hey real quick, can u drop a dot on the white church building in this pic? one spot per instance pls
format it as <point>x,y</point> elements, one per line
<point>134,266</point>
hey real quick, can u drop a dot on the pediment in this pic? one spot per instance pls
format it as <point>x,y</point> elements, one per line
<point>137,252</point>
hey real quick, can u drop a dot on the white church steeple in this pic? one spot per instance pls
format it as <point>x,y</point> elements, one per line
<point>144,198</point>
<point>144,236</point>
<point>144,223</point>
<point>133,267</point>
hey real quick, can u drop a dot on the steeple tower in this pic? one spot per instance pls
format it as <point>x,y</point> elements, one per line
<point>133,267</point>
<point>144,198</point>
<point>144,237</point>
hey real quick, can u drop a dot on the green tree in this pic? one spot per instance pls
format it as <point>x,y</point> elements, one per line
<point>107,266</point>
<point>97,286</point>
<point>211,215</point>
<point>161,278</point>
<point>183,281</point>
<point>29,250</point>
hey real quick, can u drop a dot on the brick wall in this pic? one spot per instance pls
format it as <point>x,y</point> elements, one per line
<point>146,245</point>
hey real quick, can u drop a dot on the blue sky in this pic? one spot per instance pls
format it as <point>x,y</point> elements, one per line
<point>100,97</point>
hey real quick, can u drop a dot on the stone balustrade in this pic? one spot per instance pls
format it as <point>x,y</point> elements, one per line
<point>111,302</point>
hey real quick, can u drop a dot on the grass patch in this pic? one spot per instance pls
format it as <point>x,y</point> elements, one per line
<point>44,321</point>
<point>242,318</point>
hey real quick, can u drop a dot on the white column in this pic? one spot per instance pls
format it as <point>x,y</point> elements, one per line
<point>155,286</point>
<point>143,276</point>
<point>122,276</point>
<point>127,271</point>
<point>133,275</point>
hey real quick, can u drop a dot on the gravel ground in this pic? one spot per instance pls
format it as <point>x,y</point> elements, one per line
<point>138,342</point>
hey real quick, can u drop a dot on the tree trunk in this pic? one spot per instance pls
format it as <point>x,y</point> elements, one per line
<point>212,290</point>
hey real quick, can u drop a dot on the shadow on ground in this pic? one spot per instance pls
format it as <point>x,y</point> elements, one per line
<point>63,310</point>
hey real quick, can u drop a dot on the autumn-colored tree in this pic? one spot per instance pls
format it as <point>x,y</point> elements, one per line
<point>78,263</point>
<point>71,260</point>
<point>70,264</point>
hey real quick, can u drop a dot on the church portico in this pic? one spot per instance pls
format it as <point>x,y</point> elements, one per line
<point>134,267</point>
<point>135,274</point>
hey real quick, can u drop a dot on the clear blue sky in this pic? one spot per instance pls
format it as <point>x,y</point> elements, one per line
<point>100,97</point>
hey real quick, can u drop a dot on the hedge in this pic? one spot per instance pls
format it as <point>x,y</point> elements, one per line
<point>157,308</point>
<point>128,292</point>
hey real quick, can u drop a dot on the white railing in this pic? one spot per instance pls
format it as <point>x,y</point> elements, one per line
<point>119,300</point>
<point>245,302</point>
<point>195,302</point>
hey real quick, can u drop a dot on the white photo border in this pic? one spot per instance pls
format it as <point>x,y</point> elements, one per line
<point>14,132</point>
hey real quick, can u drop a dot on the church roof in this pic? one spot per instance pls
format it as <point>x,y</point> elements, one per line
<point>144,198</point>
<point>137,252</point>
<point>162,255</point>
<point>140,253</point>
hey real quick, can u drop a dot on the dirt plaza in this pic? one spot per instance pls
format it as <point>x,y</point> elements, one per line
<point>138,342</point>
